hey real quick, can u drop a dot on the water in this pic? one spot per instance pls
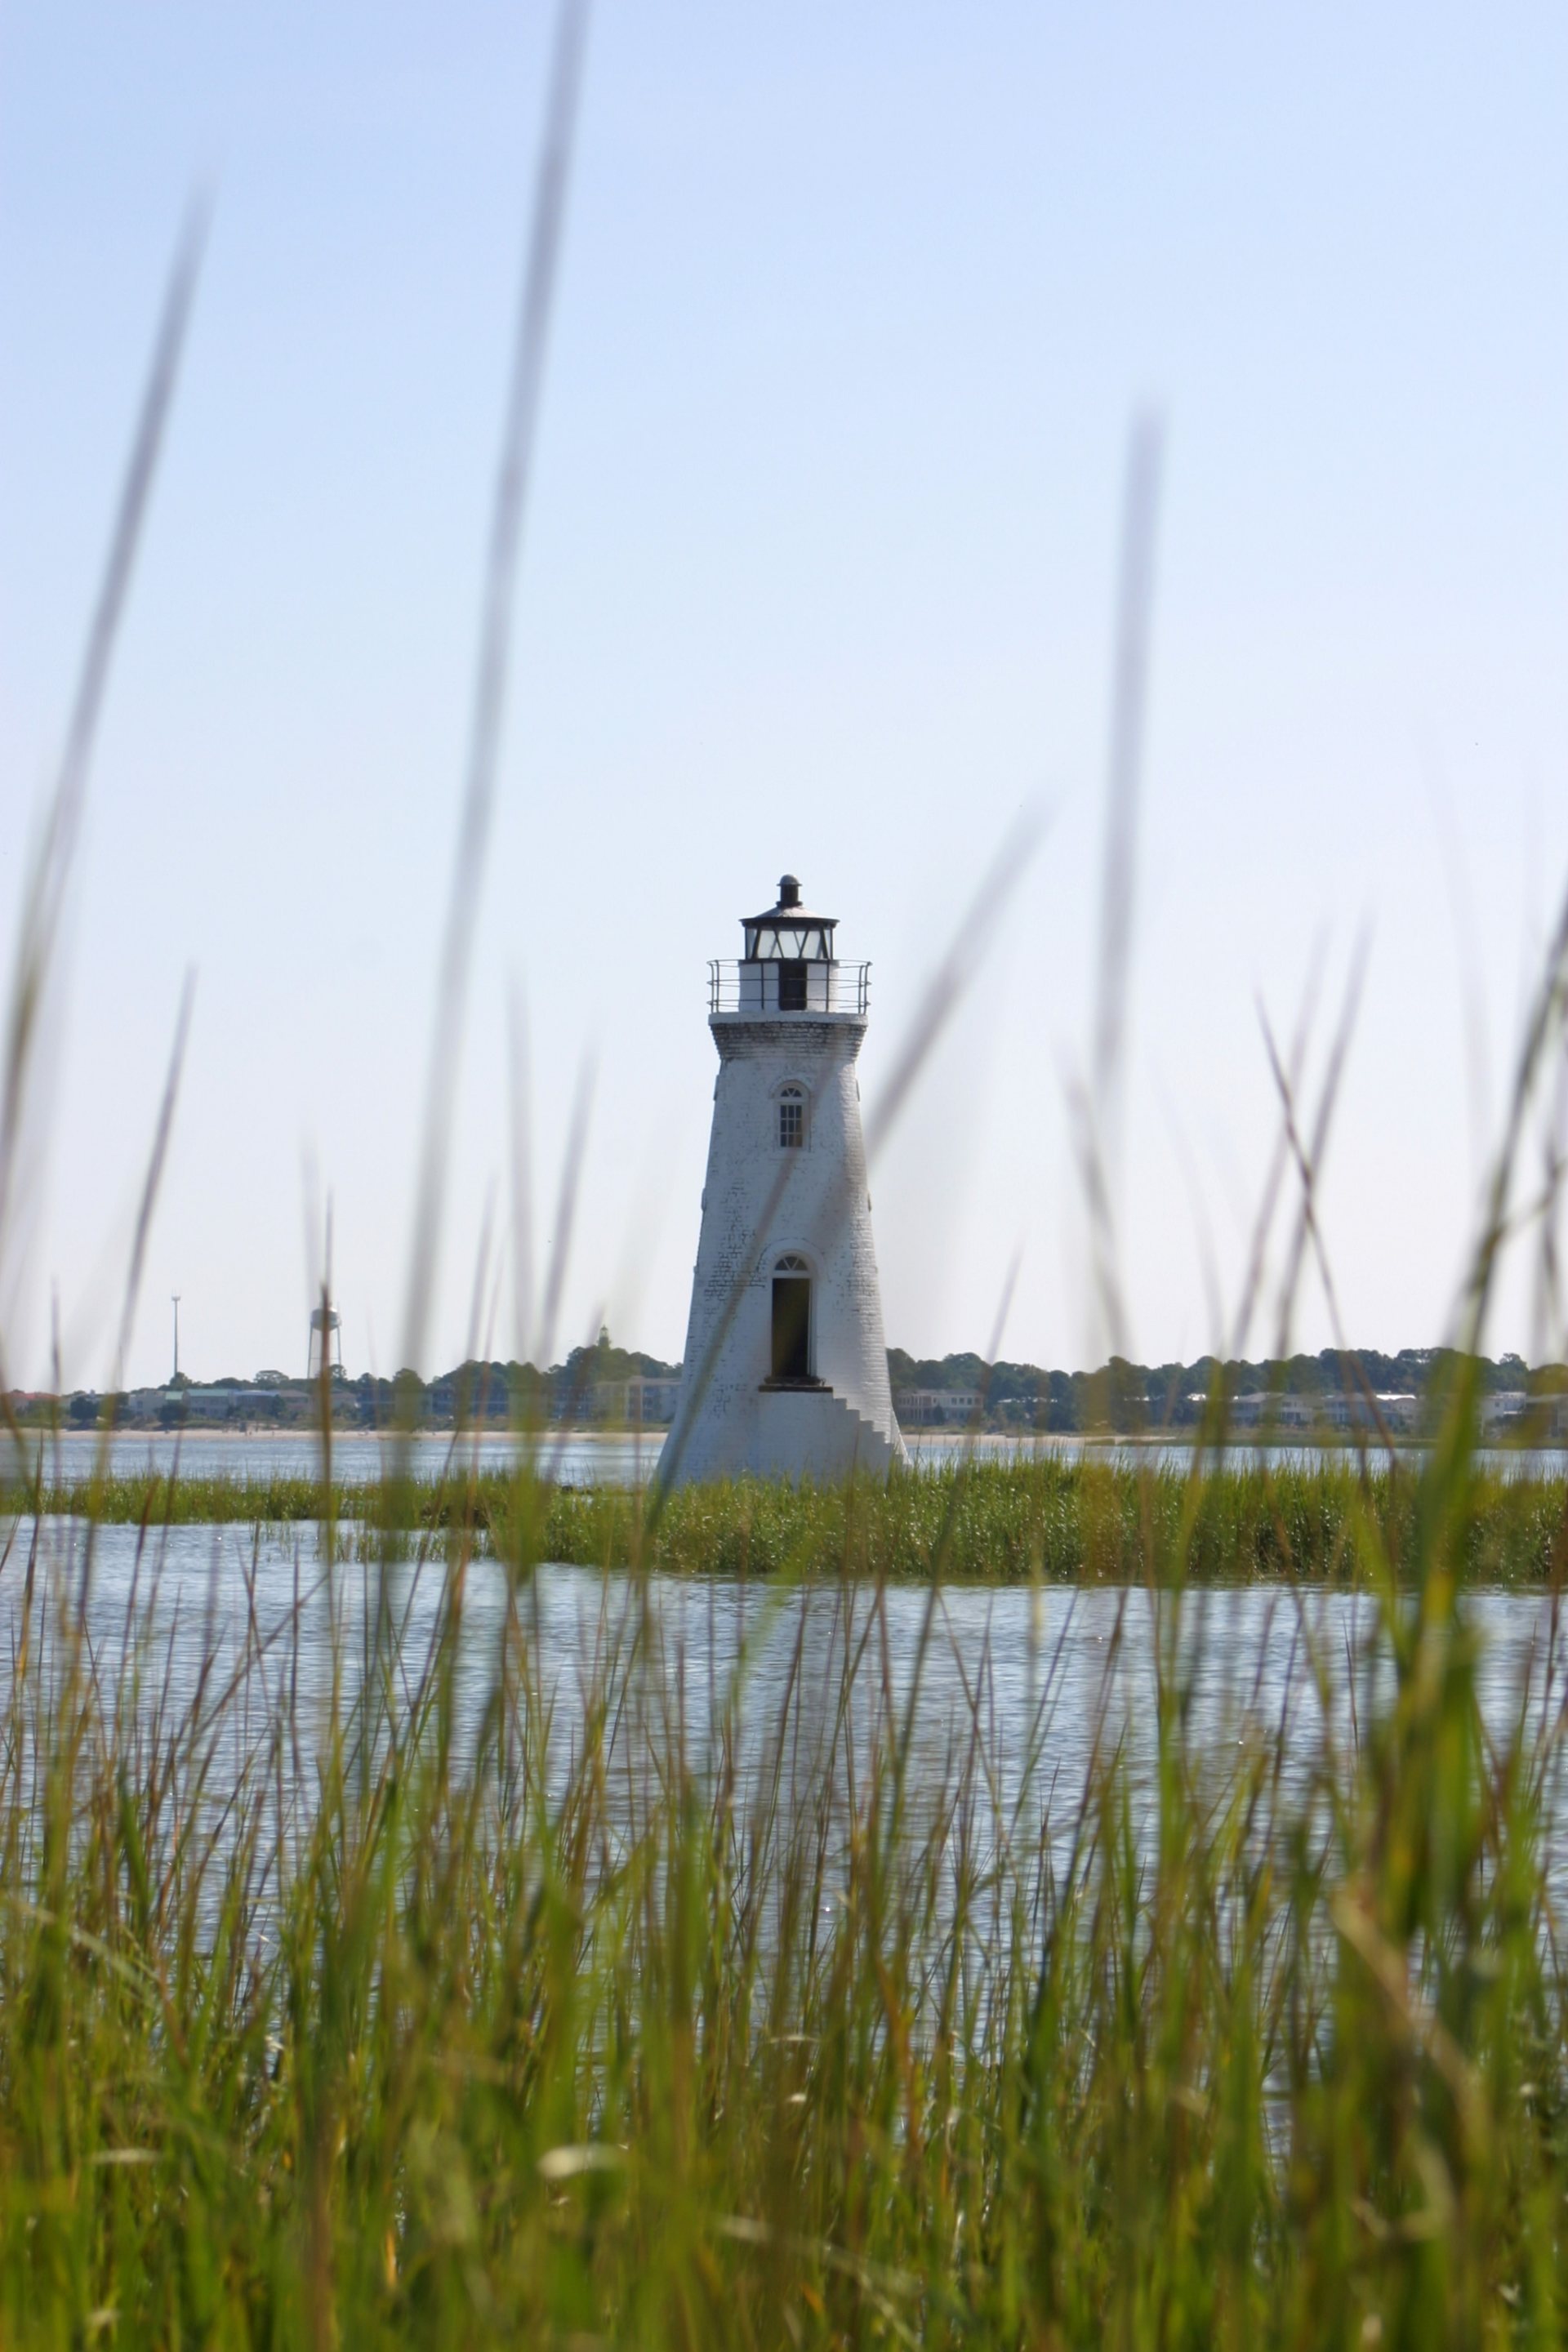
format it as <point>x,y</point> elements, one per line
<point>584,1458</point>
<point>360,1457</point>
<point>1027,1687</point>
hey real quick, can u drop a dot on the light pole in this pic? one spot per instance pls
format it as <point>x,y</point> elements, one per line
<point>175,1295</point>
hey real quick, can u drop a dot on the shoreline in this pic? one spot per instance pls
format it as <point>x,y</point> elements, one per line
<point>1042,1439</point>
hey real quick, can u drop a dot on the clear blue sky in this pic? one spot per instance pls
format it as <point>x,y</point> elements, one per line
<point>855,308</point>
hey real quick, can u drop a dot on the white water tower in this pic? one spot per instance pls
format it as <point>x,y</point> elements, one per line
<point>326,1344</point>
<point>785,1371</point>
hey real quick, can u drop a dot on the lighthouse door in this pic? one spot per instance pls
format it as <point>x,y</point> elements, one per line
<point>792,1320</point>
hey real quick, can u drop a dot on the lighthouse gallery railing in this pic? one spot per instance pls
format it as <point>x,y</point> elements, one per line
<point>767,987</point>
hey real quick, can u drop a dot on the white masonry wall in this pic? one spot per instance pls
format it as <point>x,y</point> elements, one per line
<point>761,1200</point>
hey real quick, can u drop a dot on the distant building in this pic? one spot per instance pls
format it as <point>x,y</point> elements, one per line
<point>1395,1409</point>
<point>1264,1408</point>
<point>226,1402</point>
<point>643,1401</point>
<point>1514,1412</point>
<point>938,1408</point>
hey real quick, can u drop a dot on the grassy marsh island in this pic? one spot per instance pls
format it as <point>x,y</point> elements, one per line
<point>1335,1521</point>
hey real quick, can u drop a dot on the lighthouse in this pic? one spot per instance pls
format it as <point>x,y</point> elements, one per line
<point>785,1370</point>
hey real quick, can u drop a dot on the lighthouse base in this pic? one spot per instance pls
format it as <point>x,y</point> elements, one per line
<point>797,1433</point>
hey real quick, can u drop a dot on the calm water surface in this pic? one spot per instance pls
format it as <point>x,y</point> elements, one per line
<point>582,1459</point>
<point>1028,1685</point>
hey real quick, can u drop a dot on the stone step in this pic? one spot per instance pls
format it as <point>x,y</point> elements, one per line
<point>808,1432</point>
<point>817,1433</point>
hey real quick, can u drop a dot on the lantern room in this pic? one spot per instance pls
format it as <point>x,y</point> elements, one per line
<point>788,964</point>
<point>786,934</point>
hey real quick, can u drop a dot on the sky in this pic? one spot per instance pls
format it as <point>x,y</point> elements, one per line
<point>857,310</point>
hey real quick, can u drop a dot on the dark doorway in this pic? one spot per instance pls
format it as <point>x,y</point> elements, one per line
<point>791,988</point>
<point>792,1326</point>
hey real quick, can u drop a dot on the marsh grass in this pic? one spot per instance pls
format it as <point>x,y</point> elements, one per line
<point>976,1521</point>
<point>375,1996</point>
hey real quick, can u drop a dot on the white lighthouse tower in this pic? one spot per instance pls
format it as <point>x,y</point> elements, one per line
<point>786,1371</point>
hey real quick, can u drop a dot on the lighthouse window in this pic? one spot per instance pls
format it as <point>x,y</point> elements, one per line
<point>773,943</point>
<point>792,1118</point>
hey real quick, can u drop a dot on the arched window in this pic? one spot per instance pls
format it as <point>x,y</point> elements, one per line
<point>792,1117</point>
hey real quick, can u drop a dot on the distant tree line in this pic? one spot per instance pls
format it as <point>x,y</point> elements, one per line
<point>1127,1397</point>
<point>1121,1396</point>
<point>477,1391</point>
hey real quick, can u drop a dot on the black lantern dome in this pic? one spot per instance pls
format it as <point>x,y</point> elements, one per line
<point>786,934</point>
